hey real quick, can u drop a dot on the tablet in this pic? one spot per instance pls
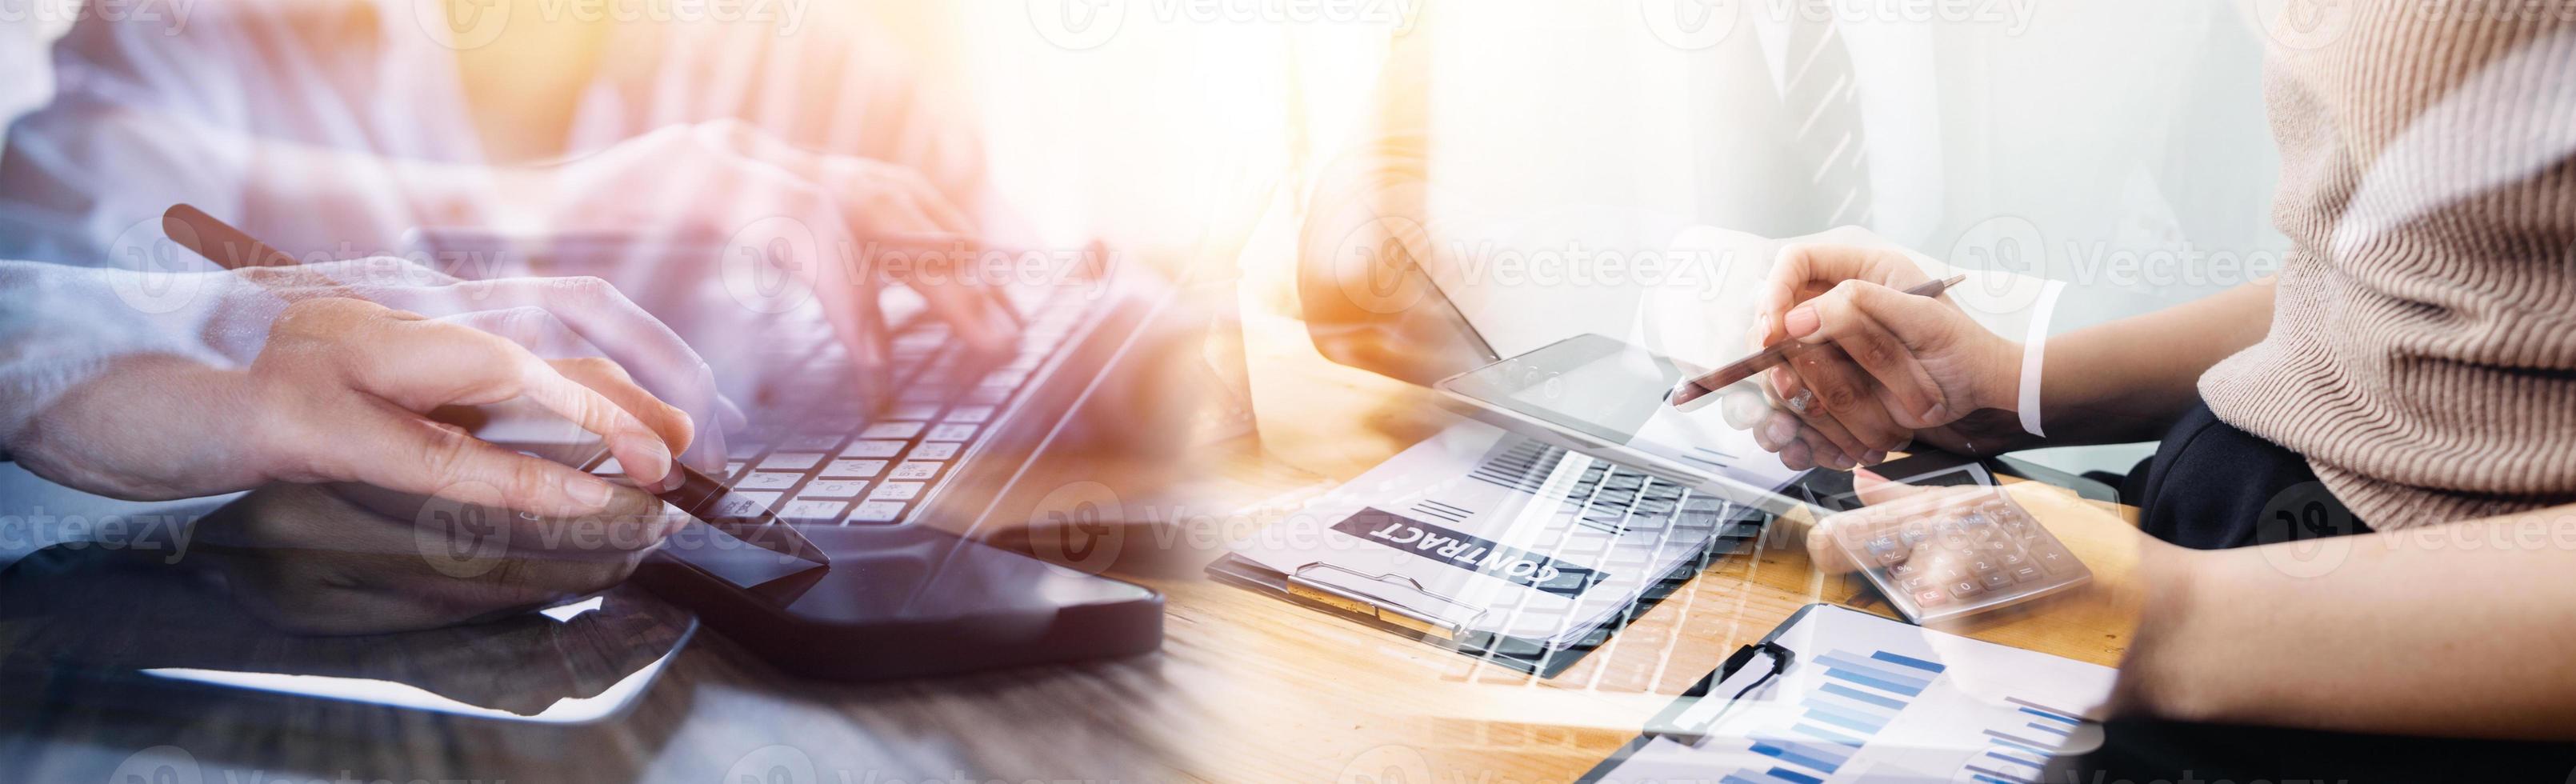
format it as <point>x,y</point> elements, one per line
<point>1605,397</point>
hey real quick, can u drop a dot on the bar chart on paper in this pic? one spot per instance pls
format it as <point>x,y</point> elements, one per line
<point>1872,699</point>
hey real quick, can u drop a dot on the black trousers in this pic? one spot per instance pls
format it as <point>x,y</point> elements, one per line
<point>2213,486</point>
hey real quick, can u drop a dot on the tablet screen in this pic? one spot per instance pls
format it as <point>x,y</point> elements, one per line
<point>1595,385</point>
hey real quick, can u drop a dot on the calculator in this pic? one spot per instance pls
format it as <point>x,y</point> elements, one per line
<point>1963,559</point>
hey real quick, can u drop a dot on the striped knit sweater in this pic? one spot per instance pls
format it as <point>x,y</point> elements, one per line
<point>2422,354</point>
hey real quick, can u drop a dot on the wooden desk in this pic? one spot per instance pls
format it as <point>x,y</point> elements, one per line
<point>1247,688</point>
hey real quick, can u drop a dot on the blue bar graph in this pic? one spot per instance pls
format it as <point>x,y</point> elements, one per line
<point>1861,693</point>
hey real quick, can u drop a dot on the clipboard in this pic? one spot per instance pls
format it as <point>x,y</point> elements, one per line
<point>1401,606</point>
<point>1665,723</point>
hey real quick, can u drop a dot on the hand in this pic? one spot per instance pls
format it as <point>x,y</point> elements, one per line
<point>340,392</point>
<point>1877,367</point>
<point>350,559</point>
<point>833,222</point>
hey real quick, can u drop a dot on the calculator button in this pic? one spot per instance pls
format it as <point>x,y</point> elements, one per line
<point>790,461</point>
<point>811,442</point>
<point>877,512</point>
<point>1963,589</point>
<point>1931,597</point>
<point>2028,574</point>
<point>1996,581</point>
<point>812,512</point>
<point>743,504</point>
<point>832,489</point>
<point>768,480</point>
<point>895,491</point>
<point>2057,562</point>
<point>872,449</point>
<point>892,430</point>
<point>853,469</point>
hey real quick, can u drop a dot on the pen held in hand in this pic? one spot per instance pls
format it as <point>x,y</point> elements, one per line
<point>1771,356</point>
<point>697,493</point>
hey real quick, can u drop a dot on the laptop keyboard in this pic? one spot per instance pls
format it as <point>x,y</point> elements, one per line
<point>815,458</point>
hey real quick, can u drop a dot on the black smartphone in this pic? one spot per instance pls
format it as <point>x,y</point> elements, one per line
<point>903,601</point>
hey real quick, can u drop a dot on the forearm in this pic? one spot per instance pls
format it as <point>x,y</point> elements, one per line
<point>2456,630</point>
<point>2127,380</point>
<point>88,437</point>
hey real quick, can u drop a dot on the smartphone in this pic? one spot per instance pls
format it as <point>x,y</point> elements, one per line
<point>1605,397</point>
<point>904,601</point>
<point>892,602</point>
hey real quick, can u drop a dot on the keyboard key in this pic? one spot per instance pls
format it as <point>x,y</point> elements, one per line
<point>740,504</point>
<point>951,432</point>
<point>734,467</point>
<point>831,489</point>
<point>872,449</point>
<point>853,469</point>
<point>985,396</point>
<point>811,442</point>
<point>791,461</point>
<point>744,449</point>
<point>915,470</point>
<point>768,480</point>
<point>813,512</point>
<point>914,411</point>
<point>895,491</point>
<point>970,414</point>
<point>937,450</point>
<point>877,512</point>
<point>892,430</point>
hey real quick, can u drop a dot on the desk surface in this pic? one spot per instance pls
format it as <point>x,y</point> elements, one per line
<point>1247,688</point>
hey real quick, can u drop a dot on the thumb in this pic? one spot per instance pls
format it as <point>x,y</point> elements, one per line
<point>1859,308</point>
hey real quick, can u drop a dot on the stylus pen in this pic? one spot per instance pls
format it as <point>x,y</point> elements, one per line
<point>698,494</point>
<point>1772,356</point>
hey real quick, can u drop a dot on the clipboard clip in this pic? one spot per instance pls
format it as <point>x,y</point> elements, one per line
<point>1689,718</point>
<point>1352,601</point>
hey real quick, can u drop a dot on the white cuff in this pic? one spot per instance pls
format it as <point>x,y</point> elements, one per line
<point>2034,345</point>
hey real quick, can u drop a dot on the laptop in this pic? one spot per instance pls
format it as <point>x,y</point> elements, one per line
<point>910,496</point>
